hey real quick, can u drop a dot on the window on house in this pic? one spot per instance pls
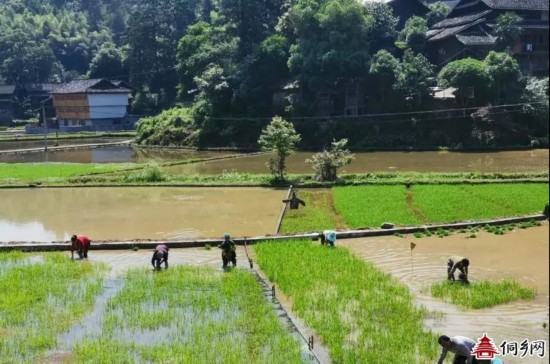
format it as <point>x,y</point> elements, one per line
<point>66,122</point>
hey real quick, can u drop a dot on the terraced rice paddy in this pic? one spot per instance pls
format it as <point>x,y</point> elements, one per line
<point>371,206</point>
<point>361,314</point>
<point>199,315</point>
<point>41,298</point>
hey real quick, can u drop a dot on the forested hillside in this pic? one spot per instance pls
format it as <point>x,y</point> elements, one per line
<point>224,59</point>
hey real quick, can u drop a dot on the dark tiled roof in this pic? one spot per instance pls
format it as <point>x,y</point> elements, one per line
<point>453,22</point>
<point>90,86</point>
<point>7,89</point>
<point>451,3</point>
<point>517,4</point>
<point>41,86</point>
<point>447,32</point>
<point>476,40</point>
<point>432,32</point>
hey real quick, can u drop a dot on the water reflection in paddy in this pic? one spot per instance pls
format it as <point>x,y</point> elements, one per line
<point>137,212</point>
<point>431,161</point>
<point>120,154</point>
<point>521,255</point>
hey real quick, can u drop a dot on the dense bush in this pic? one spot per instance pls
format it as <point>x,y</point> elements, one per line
<point>172,127</point>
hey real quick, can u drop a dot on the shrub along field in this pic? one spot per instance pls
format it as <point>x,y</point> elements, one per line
<point>195,314</point>
<point>40,299</point>
<point>370,206</point>
<point>361,314</point>
<point>481,294</point>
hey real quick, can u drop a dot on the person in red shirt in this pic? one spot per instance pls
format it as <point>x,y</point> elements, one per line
<point>81,244</point>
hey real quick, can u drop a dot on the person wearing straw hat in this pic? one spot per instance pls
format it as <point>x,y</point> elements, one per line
<point>80,244</point>
<point>160,255</point>
<point>228,251</point>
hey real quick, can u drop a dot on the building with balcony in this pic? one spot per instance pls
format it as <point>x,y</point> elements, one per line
<point>467,31</point>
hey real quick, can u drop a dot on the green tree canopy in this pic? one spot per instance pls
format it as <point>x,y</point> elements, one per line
<point>280,138</point>
<point>107,62</point>
<point>505,76</point>
<point>507,29</point>
<point>438,12</point>
<point>470,77</point>
<point>415,78</point>
<point>414,33</point>
<point>327,162</point>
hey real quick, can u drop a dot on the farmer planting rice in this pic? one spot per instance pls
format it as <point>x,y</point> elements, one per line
<point>462,348</point>
<point>81,244</point>
<point>462,265</point>
<point>160,255</point>
<point>228,251</point>
<point>328,237</point>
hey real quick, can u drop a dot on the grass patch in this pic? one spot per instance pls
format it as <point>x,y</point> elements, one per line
<point>317,215</point>
<point>194,314</point>
<point>359,312</point>
<point>38,171</point>
<point>481,294</point>
<point>371,206</point>
<point>41,299</point>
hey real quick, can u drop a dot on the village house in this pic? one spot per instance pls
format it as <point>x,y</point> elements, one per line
<point>92,105</point>
<point>467,31</point>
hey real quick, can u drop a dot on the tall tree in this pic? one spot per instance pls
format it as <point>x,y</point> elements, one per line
<point>107,63</point>
<point>384,73</point>
<point>470,78</point>
<point>438,12</point>
<point>414,33</point>
<point>505,76</point>
<point>507,29</point>
<point>415,78</point>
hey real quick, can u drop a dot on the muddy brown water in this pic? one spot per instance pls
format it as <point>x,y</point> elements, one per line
<point>45,215</point>
<point>118,154</point>
<point>25,144</point>
<point>430,161</point>
<point>522,255</point>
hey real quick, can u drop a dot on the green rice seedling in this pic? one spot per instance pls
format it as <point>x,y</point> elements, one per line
<point>448,203</point>
<point>194,314</point>
<point>418,234</point>
<point>482,294</point>
<point>473,236</point>
<point>399,235</point>
<point>371,206</point>
<point>319,213</point>
<point>40,299</point>
<point>207,246</point>
<point>41,171</point>
<point>359,312</point>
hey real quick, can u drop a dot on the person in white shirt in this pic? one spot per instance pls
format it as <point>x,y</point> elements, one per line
<point>461,346</point>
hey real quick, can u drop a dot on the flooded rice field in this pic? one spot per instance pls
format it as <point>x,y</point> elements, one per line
<point>522,255</point>
<point>431,161</point>
<point>118,154</point>
<point>45,215</point>
<point>52,141</point>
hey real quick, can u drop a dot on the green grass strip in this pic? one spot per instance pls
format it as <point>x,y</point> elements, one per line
<point>39,300</point>
<point>361,314</point>
<point>38,171</point>
<point>481,294</point>
<point>448,203</point>
<point>318,214</point>
<point>191,315</point>
<point>371,206</point>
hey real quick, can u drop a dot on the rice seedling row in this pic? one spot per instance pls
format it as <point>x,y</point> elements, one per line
<point>360,313</point>
<point>40,299</point>
<point>191,315</point>
<point>481,294</point>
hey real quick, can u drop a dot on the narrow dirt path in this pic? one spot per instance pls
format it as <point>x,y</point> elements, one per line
<point>340,223</point>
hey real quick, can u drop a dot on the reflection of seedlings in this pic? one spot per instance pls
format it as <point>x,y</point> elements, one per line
<point>191,313</point>
<point>418,235</point>
<point>399,235</point>
<point>40,299</point>
<point>473,236</point>
<point>481,294</point>
<point>338,295</point>
<point>207,246</point>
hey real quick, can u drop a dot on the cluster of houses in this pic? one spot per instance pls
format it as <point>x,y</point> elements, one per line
<point>467,31</point>
<point>79,105</point>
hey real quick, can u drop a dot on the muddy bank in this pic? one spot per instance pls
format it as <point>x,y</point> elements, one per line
<point>522,255</point>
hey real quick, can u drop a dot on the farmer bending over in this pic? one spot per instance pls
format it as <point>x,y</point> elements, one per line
<point>160,256</point>
<point>462,265</point>
<point>228,251</point>
<point>328,237</point>
<point>81,244</point>
<point>460,346</point>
